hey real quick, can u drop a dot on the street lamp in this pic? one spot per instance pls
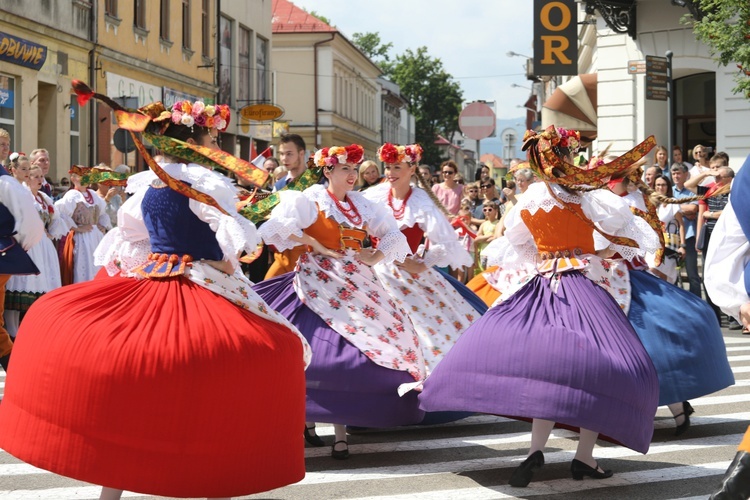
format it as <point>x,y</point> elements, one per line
<point>515,85</point>
<point>510,53</point>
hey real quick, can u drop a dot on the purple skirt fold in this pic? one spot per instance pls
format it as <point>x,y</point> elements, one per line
<point>343,385</point>
<point>569,356</point>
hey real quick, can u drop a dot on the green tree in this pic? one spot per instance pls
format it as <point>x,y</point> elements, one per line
<point>433,97</point>
<point>319,17</point>
<point>724,26</point>
<point>372,47</point>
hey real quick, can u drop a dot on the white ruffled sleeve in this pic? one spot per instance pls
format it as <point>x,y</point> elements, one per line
<point>728,254</point>
<point>444,249</point>
<point>234,233</point>
<point>391,241</point>
<point>613,216</point>
<point>127,245</point>
<point>294,213</point>
<point>20,203</point>
<point>517,245</point>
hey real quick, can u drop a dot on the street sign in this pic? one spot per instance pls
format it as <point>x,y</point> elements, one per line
<point>636,67</point>
<point>261,112</point>
<point>477,121</point>
<point>656,78</point>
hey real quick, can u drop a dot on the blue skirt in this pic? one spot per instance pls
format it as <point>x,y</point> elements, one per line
<point>682,336</point>
<point>469,296</point>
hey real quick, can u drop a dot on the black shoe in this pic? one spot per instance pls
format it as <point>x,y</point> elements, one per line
<point>522,475</point>
<point>4,362</point>
<point>313,439</point>
<point>340,454</point>
<point>734,325</point>
<point>736,483</point>
<point>687,410</point>
<point>579,469</point>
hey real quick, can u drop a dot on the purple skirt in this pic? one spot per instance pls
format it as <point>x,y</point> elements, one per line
<point>571,357</point>
<point>343,385</point>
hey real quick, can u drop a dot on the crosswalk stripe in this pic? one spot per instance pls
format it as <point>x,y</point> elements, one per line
<point>391,472</point>
<point>561,486</point>
<point>80,493</point>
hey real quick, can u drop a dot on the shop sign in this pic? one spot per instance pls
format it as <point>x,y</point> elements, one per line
<point>555,37</point>
<point>171,96</point>
<point>22,52</point>
<point>262,112</point>
<point>122,86</point>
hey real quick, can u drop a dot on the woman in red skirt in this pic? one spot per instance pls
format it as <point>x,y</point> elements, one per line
<point>170,376</point>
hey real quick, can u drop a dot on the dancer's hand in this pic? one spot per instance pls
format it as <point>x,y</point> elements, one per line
<point>745,315</point>
<point>370,256</point>
<point>411,265</point>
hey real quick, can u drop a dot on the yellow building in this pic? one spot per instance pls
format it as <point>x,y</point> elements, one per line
<point>43,46</point>
<point>151,51</point>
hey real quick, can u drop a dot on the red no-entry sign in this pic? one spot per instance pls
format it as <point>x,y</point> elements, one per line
<point>477,121</point>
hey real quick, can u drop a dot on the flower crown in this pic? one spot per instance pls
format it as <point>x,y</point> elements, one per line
<point>198,113</point>
<point>570,139</point>
<point>392,154</point>
<point>328,157</point>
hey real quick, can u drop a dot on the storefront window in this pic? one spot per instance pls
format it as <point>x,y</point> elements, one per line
<point>243,91</point>
<point>260,63</point>
<point>7,107</point>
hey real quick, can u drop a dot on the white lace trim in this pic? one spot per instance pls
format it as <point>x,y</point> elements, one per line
<point>119,255</point>
<point>639,230</point>
<point>277,230</point>
<point>417,207</point>
<point>233,238</point>
<point>394,246</point>
<point>319,194</point>
<point>537,197</point>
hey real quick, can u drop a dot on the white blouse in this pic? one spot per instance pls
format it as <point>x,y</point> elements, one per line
<point>297,211</point>
<point>444,247</point>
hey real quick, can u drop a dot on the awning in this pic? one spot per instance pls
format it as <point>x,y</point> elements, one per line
<point>573,105</point>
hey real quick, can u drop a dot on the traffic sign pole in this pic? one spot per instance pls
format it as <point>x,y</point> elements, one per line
<point>670,107</point>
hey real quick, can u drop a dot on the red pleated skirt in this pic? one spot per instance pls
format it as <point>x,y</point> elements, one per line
<point>155,386</point>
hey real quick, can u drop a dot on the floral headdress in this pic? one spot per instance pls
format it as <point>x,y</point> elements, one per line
<point>85,173</point>
<point>393,154</point>
<point>570,139</point>
<point>199,113</point>
<point>329,157</point>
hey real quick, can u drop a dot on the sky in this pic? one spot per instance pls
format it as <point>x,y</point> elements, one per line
<point>471,38</point>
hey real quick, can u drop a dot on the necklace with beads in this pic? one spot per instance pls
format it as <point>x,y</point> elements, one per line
<point>88,197</point>
<point>398,213</point>
<point>351,214</point>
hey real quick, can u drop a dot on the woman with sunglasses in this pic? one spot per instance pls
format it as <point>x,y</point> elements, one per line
<point>366,349</point>
<point>449,192</point>
<point>437,309</point>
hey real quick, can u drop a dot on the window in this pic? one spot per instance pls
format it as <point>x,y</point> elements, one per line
<point>164,20</point>
<point>260,64</point>
<point>110,7</point>
<point>186,24</point>
<point>139,13</point>
<point>205,29</point>
<point>8,107</point>
<point>244,80</point>
<point>75,130</point>
<point>225,61</point>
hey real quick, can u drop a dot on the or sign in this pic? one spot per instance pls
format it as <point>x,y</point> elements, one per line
<point>280,128</point>
<point>262,112</point>
<point>636,67</point>
<point>656,78</point>
<point>171,96</point>
<point>22,52</point>
<point>123,142</point>
<point>477,121</point>
<point>555,37</point>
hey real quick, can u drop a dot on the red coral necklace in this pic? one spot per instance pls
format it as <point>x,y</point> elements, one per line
<point>352,214</point>
<point>398,213</point>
